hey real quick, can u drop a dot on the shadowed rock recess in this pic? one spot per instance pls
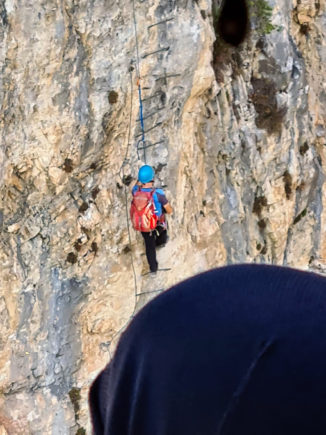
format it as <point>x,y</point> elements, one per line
<point>238,142</point>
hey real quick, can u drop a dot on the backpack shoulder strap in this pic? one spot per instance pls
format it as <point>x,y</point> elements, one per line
<point>138,190</point>
<point>152,192</point>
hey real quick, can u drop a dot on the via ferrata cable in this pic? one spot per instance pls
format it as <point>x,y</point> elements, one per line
<point>141,142</point>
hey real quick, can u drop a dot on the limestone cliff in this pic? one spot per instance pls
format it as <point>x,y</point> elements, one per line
<point>237,138</point>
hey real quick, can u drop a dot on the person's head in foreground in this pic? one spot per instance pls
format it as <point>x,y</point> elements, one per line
<point>239,350</point>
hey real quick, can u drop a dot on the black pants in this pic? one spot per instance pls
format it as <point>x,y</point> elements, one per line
<point>155,238</point>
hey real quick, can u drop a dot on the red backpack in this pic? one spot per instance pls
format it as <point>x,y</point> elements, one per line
<point>142,211</point>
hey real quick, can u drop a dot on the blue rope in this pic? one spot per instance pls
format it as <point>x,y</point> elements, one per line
<point>141,117</point>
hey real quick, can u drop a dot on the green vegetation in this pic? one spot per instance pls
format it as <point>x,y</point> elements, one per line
<point>216,10</point>
<point>261,12</point>
<point>74,396</point>
<point>300,216</point>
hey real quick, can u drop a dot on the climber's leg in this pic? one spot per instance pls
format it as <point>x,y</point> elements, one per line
<point>161,236</point>
<point>150,247</point>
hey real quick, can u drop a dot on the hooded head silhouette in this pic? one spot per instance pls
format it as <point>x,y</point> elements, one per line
<point>239,350</point>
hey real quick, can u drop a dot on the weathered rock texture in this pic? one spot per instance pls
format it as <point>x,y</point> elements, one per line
<point>242,155</point>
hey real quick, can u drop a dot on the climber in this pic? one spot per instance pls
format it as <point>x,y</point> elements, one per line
<point>150,221</point>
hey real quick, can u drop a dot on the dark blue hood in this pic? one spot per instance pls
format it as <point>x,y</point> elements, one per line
<point>239,350</point>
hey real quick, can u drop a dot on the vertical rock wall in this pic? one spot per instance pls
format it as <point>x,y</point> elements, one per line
<point>237,138</point>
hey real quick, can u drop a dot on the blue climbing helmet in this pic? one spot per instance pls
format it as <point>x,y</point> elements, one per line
<point>146,174</point>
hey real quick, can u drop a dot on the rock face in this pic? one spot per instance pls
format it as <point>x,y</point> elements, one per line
<point>237,138</point>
